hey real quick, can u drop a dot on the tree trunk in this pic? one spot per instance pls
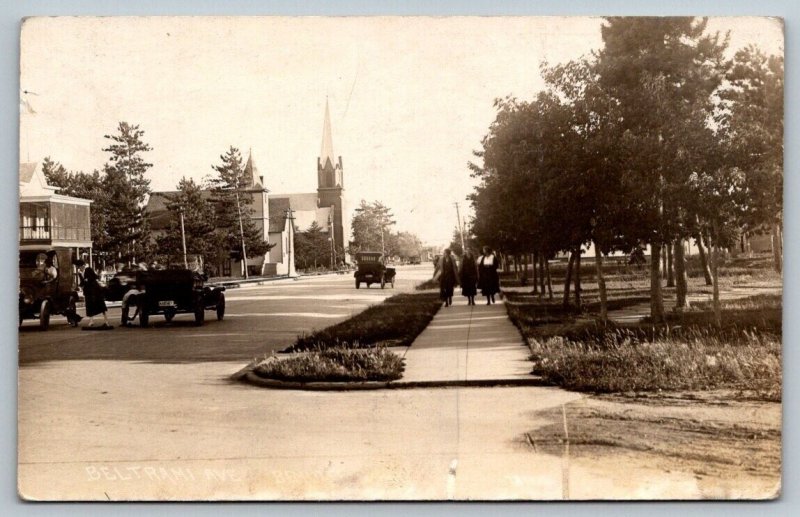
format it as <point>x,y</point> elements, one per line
<point>656,298</point>
<point>541,274</point>
<point>516,266</point>
<point>578,277</point>
<point>703,262</point>
<point>535,273</point>
<point>715,274</point>
<point>601,282</point>
<point>664,262</point>
<point>777,247</point>
<point>681,287</point>
<point>670,275</point>
<point>549,282</point>
<point>568,280</point>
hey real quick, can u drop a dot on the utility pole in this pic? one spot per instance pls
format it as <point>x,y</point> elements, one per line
<point>290,265</point>
<point>183,238</point>
<point>241,232</point>
<point>332,233</point>
<point>460,229</point>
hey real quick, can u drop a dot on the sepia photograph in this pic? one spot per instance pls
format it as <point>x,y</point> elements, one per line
<point>400,258</point>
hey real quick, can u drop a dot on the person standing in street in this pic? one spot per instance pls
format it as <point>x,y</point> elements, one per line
<point>488,279</point>
<point>95,304</point>
<point>469,277</point>
<point>448,278</point>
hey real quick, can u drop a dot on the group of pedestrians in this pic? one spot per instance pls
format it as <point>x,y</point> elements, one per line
<point>472,276</point>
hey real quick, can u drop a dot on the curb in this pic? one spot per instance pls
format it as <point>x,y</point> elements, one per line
<point>251,378</point>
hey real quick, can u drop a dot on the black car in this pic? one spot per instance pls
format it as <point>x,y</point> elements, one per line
<point>41,295</point>
<point>173,291</point>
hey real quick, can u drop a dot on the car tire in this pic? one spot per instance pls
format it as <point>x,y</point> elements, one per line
<point>358,284</point>
<point>144,317</point>
<point>44,315</point>
<point>221,307</point>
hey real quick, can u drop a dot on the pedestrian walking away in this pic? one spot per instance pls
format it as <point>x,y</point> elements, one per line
<point>469,277</point>
<point>488,279</point>
<point>448,278</point>
<point>95,304</point>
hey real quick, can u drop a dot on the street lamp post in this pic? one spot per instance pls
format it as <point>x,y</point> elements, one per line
<point>183,238</point>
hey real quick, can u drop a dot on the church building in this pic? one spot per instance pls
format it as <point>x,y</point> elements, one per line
<point>279,216</point>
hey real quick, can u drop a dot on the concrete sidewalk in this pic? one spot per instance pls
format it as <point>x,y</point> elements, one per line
<point>469,344</point>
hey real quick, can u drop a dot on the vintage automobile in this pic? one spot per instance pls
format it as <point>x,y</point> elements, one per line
<point>120,283</point>
<point>173,291</point>
<point>372,270</point>
<point>41,295</point>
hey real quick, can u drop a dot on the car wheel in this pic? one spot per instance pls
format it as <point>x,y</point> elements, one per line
<point>221,307</point>
<point>44,315</point>
<point>144,318</point>
<point>199,314</point>
<point>358,284</point>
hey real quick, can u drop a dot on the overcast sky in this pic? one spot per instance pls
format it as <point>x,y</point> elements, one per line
<point>410,98</point>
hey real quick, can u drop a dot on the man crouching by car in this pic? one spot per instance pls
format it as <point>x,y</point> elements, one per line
<point>131,297</point>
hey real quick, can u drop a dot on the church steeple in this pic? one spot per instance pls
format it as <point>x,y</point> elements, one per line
<point>326,153</point>
<point>329,169</point>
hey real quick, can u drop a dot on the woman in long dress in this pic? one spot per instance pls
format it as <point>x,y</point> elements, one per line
<point>448,277</point>
<point>95,304</point>
<point>488,279</point>
<point>469,277</point>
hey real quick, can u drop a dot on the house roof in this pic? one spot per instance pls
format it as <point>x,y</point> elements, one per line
<point>26,171</point>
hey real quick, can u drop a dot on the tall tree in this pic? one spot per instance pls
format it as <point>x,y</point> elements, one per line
<point>662,73</point>
<point>371,228</point>
<point>198,223</point>
<point>126,189</point>
<point>232,209</point>
<point>751,128</point>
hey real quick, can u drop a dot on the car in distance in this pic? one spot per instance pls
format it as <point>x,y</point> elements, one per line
<point>372,270</point>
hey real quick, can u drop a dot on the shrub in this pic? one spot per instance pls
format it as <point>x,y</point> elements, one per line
<point>336,364</point>
<point>397,321</point>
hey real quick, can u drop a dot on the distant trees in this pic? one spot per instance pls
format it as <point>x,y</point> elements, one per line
<point>371,228</point>
<point>312,247</point>
<point>655,139</point>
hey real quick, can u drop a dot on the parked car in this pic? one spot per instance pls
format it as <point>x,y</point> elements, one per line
<point>120,283</point>
<point>372,270</point>
<point>173,291</point>
<point>40,295</point>
<point>414,261</point>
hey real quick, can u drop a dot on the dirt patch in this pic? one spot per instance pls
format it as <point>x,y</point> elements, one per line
<point>714,435</point>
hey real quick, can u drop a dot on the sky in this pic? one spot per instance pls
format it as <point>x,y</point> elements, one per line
<point>410,98</point>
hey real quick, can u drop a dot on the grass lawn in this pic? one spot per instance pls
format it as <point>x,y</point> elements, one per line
<point>573,349</point>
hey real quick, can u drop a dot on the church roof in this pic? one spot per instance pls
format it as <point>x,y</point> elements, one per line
<point>304,207</point>
<point>326,153</point>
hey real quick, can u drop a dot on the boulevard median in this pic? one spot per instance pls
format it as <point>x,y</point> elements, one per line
<point>354,351</point>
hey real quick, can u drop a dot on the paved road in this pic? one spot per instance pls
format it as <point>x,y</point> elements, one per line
<point>258,319</point>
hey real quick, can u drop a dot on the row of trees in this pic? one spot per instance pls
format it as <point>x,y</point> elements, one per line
<point>120,228</point>
<point>653,140</point>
